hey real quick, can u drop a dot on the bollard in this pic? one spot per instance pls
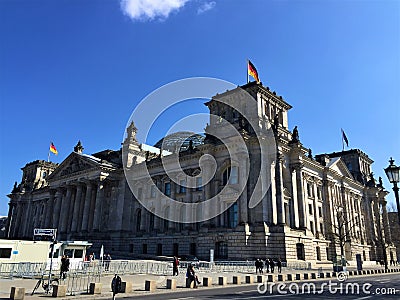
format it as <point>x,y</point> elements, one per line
<point>280,277</point>
<point>189,283</point>
<point>321,275</point>
<point>95,288</point>
<point>17,293</point>
<point>271,278</point>
<point>236,280</point>
<point>260,278</point>
<point>222,280</point>
<point>328,275</point>
<point>289,277</point>
<point>297,277</point>
<point>305,276</point>
<point>249,279</point>
<point>171,284</point>
<point>126,287</point>
<point>150,285</point>
<point>207,281</point>
<point>313,276</point>
<point>59,290</point>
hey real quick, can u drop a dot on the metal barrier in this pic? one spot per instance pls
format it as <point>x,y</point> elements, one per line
<point>26,269</point>
<point>79,281</point>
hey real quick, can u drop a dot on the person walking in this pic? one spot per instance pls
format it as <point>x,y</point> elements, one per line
<point>279,265</point>
<point>261,266</point>
<point>271,265</point>
<point>191,275</point>
<point>107,262</point>
<point>256,264</point>
<point>266,265</point>
<point>175,265</point>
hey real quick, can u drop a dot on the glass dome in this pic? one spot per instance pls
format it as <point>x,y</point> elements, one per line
<point>180,139</point>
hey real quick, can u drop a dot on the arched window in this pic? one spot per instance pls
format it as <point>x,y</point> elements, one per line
<point>230,175</point>
<point>138,219</point>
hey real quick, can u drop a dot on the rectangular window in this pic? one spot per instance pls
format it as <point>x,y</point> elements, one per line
<point>182,186</point>
<point>199,184</point>
<point>5,252</point>
<point>193,249</point>
<point>319,192</point>
<point>234,177</point>
<point>320,211</point>
<point>159,249</point>
<point>321,228</point>
<point>144,249</point>
<point>78,253</point>
<point>221,250</point>
<point>318,250</point>
<point>167,189</point>
<point>310,209</point>
<point>176,249</point>
<point>153,191</point>
<point>312,226</point>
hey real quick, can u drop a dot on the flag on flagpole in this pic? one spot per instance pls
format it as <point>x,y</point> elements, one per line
<point>344,138</point>
<point>252,71</point>
<point>53,148</point>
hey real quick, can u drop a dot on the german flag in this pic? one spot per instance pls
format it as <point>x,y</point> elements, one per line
<point>252,71</point>
<point>53,149</point>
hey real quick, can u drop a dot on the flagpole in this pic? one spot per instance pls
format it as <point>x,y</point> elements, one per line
<point>247,71</point>
<point>48,156</point>
<point>342,140</point>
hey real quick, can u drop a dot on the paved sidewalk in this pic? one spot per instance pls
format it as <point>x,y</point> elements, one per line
<point>138,282</point>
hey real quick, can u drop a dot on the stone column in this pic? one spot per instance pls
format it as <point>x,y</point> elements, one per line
<point>16,229</point>
<point>97,206</point>
<point>64,210</point>
<point>243,206</point>
<point>9,221</point>
<point>300,197</point>
<point>316,211</point>
<point>385,220</point>
<point>57,208</point>
<point>279,190</point>
<point>86,207</point>
<point>27,216</point>
<point>295,207</point>
<point>77,203</point>
<point>50,209</point>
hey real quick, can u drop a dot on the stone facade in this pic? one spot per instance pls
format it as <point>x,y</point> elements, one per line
<point>316,207</point>
<point>395,232</point>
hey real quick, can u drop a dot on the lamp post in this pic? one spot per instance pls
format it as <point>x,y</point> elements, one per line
<point>393,174</point>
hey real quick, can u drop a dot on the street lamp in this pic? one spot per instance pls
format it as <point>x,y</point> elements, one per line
<point>393,174</point>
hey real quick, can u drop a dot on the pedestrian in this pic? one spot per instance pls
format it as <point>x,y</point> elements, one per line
<point>107,263</point>
<point>191,275</point>
<point>261,266</point>
<point>62,267</point>
<point>256,264</point>
<point>271,265</point>
<point>116,285</point>
<point>175,265</point>
<point>266,265</point>
<point>279,265</point>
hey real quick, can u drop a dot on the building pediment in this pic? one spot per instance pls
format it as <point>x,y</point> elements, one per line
<point>73,164</point>
<point>339,167</point>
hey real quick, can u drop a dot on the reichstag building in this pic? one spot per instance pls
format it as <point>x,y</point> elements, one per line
<point>314,207</point>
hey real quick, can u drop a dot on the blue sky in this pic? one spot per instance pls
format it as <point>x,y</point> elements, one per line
<point>74,70</point>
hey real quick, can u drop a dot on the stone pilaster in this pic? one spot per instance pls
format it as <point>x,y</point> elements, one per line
<point>57,208</point>
<point>77,203</point>
<point>86,206</point>
<point>64,216</point>
<point>97,206</point>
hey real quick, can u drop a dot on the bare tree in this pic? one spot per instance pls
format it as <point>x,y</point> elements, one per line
<point>342,226</point>
<point>391,207</point>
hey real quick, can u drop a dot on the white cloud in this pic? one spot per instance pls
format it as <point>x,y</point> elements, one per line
<point>144,10</point>
<point>206,7</point>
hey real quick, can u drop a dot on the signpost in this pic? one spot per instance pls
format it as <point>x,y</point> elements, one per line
<point>50,234</point>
